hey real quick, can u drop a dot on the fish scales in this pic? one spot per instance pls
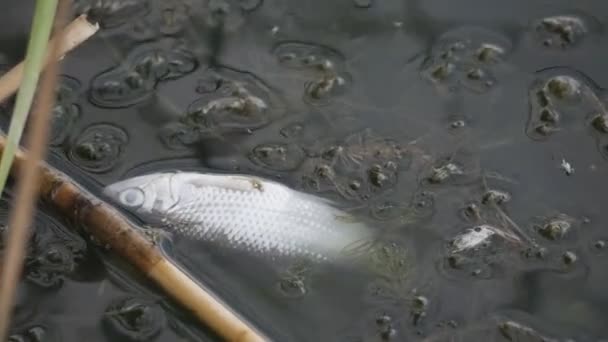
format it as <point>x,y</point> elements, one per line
<point>241,211</point>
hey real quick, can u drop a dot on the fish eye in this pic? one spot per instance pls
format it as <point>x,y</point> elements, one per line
<point>132,197</point>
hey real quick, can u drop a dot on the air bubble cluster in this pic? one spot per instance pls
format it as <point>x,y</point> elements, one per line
<point>560,31</point>
<point>563,98</point>
<point>455,61</point>
<point>324,66</point>
<point>231,101</point>
<point>136,78</point>
<point>98,148</point>
<point>360,167</point>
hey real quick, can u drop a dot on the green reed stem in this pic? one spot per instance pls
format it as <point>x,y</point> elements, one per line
<point>44,15</point>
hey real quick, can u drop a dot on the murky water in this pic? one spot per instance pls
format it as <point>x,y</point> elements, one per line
<point>474,137</point>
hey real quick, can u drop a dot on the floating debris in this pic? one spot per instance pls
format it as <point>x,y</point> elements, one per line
<point>478,237</point>
<point>568,169</point>
<point>495,197</point>
<point>556,228</point>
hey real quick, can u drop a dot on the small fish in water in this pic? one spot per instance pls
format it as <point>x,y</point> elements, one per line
<point>244,212</point>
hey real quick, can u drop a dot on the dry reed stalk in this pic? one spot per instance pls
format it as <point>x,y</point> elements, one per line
<point>110,228</point>
<point>21,215</point>
<point>79,30</point>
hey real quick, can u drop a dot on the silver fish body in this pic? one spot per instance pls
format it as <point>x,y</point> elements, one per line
<point>244,212</point>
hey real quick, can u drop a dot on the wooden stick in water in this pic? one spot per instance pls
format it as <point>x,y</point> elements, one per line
<point>110,228</point>
<point>74,34</point>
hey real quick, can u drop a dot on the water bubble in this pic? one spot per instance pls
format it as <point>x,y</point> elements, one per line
<point>418,309</point>
<point>600,122</point>
<point>457,124</point>
<point>563,87</point>
<point>279,157</point>
<point>321,91</point>
<point>490,53</point>
<point>382,176</point>
<point>472,212</point>
<point>600,244</point>
<point>134,319</point>
<point>137,76</point>
<point>569,258</point>
<point>98,148</point>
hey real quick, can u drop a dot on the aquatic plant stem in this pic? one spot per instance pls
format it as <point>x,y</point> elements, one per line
<point>110,228</point>
<point>44,14</point>
<point>20,217</point>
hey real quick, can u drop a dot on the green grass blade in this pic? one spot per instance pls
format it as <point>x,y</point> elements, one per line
<point>42,24</point>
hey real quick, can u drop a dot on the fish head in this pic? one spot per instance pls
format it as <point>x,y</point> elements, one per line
<point>149,196</point>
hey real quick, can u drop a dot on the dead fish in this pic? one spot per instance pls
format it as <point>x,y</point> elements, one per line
<point>240,211</point>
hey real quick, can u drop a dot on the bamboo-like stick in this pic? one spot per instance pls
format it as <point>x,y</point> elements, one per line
<point>79,30</point>
<point>110,228</point>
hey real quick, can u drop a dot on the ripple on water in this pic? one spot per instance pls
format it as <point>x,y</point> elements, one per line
<point>233,101</point>
<point>136,78</point>
<point>34,333</point>
<point>52,253</point>
<point>278,156</point>
<point>98,148</point>
<point>324,69</point>
<point>134,319</point>
<point>466,57</point>
<point>360,167</point>
<point>564,99</point>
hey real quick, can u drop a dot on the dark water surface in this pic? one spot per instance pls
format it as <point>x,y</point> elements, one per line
<point>437,120</point>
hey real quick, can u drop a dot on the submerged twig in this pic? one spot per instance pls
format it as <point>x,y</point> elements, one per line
<point>110,228</point>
